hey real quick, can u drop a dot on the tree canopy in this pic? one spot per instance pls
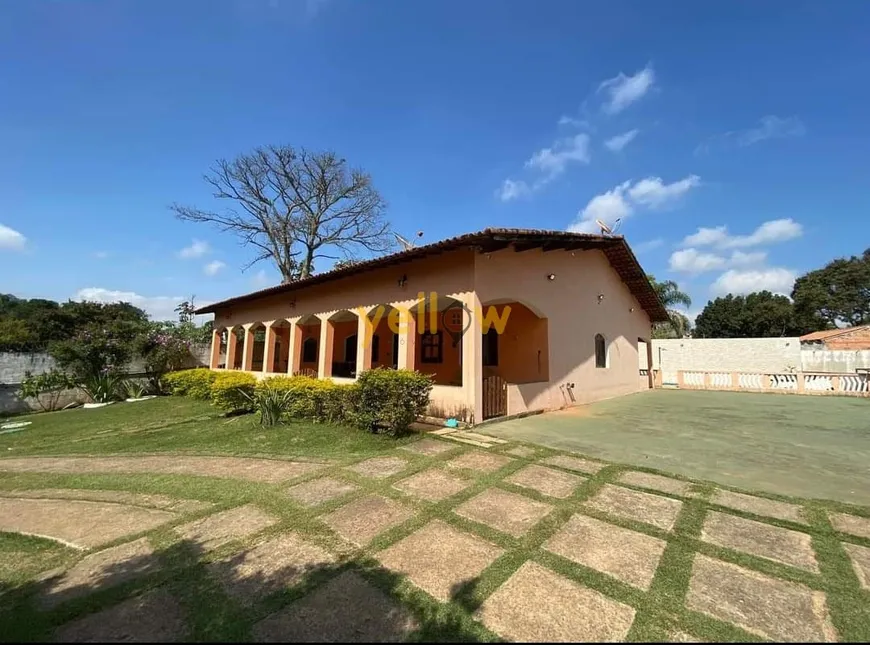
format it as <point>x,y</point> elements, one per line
<point>757,315</point>
<point>294,207</point>
<point>837,294</point>
<point>670,294</point>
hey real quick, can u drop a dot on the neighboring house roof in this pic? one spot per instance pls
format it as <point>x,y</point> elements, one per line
<point>831,333</point>
<point>614,247</point>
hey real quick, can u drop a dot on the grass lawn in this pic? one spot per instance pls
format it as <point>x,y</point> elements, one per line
<point>180,426</point>
<point>810,446</point>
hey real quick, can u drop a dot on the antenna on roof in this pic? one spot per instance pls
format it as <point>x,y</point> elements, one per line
<point>407,244</point>
<point>608,230</point>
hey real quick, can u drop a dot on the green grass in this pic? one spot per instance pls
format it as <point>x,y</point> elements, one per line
<point>181,426</point>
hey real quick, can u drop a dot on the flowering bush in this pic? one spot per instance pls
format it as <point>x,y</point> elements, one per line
<point>163,350</point>
<point>96,350</point>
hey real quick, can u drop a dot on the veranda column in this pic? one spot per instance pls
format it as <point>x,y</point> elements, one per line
<point>407,339</point>
<point>215,348</point>
<point>324,351</point>
<point>269,347</point>
<point>364,335</point>
<point>232,344</point>
<point>248,347</point>
<point>294,356</point>
<point>472,354</point>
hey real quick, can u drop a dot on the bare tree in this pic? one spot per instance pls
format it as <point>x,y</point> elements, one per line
<point>296,206</point>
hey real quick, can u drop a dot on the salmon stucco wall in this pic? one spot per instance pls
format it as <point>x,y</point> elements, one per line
<point>570,302</point>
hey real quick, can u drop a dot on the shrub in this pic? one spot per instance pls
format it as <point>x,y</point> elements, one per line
<point>391,399</point>
<point>103,387</point>
<point>135,388</point>
<point>233,392</point>
<point>162,349</point>
<point>270,404</point>
<point>46,388</point>
<point>193,383</point>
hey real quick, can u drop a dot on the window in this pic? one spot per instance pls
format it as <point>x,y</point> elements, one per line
<point>430,347</point>
<point>309,351</point>
<point>376,349</point>
<point>600,351</point>
<point>490,348</point>
<point>350,349</point>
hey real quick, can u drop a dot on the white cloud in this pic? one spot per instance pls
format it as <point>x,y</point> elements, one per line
<point>772,127</point>
<point>621,201</point>
<point>11,239</point>
<point>775,279</point>
<point>553,161</point>
<point>213,267</point>
<point>654,193</point>
<point>618,142</point>
<point>573,122</point>
<point>648,245</point>
<point>771,232</point>
<point>769,127</point>
<point>197,249</point>
<point>511,189</point>
<point>624,90</point>
<point>158,307</point>
<point>693,261</point>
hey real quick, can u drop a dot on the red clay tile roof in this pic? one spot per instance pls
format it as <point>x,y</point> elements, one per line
<point>614,247</point>
<point>830,333</point>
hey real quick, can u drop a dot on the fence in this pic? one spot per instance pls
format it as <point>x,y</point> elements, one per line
<point>792,382</point>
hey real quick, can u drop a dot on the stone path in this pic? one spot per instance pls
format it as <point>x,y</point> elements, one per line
<point>557,548</point>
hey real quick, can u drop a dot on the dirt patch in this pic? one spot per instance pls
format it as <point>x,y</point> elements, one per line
<point>320,491</point>
<point>629,556</point>
<point>150,618</point>
<point>380,467</point>
<point>433,485</point>
<point>546,481</point>
<point>218,529</point>
<point>851,524</point>
<point>481,462</point>
<point>633,505</point>
<point>148,500</point>
<point>76,523</point>
<point>759,506</point>
<point>258,470</point>
<point>429,447</point>
<point>361,520</point>
<point>765,606</point>
<point>860,556</point>
<point>537,605</point>
<point>269,567</point>
<point>347,609</point>
<point>100,571</point>
<point>656,482</point>
<point>507,512</point>
<point>757,538</point>
<point>524,452</point>
<point>440,559</point>
<point>577,464</point>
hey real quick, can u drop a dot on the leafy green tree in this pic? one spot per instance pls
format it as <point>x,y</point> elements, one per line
<point>836,294</point>
<point>671,296</point>
<point>15,336</point>
<point>757,315</point>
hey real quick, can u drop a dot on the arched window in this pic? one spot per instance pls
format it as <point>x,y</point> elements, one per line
<point>309,350</point>
<point>600,351</point>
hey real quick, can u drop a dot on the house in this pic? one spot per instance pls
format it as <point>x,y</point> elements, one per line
<point>848,338</point>
<point>505,320</point>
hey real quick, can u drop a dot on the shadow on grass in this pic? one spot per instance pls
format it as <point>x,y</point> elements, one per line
<point>181,593</point>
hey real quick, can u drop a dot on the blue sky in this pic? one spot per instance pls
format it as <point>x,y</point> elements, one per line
<point>732,138</point>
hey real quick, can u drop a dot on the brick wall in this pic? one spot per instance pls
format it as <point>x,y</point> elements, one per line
<point>854,340</point>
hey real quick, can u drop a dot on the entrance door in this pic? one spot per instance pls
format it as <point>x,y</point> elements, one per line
<point>494,397</point>
<point>395,351</point>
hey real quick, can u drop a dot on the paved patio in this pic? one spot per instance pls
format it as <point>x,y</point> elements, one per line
<point>808,446</point>
<point>548,547</point>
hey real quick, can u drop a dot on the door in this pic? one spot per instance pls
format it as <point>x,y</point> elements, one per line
<point>494,397</point>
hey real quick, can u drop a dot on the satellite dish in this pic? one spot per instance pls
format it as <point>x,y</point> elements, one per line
<point>406,244</point>
<point>605,229</point>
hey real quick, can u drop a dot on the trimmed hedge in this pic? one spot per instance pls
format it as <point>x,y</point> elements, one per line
<point>194,383</point>
<point>380,400</point>
<point>233,392</point>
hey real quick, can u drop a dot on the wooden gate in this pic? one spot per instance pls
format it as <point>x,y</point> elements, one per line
<point>494,397</point>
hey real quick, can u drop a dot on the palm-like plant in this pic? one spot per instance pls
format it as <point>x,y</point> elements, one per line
<point>670,294</point>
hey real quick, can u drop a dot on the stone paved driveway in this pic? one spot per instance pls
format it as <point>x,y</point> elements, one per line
<point>527,544</point>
